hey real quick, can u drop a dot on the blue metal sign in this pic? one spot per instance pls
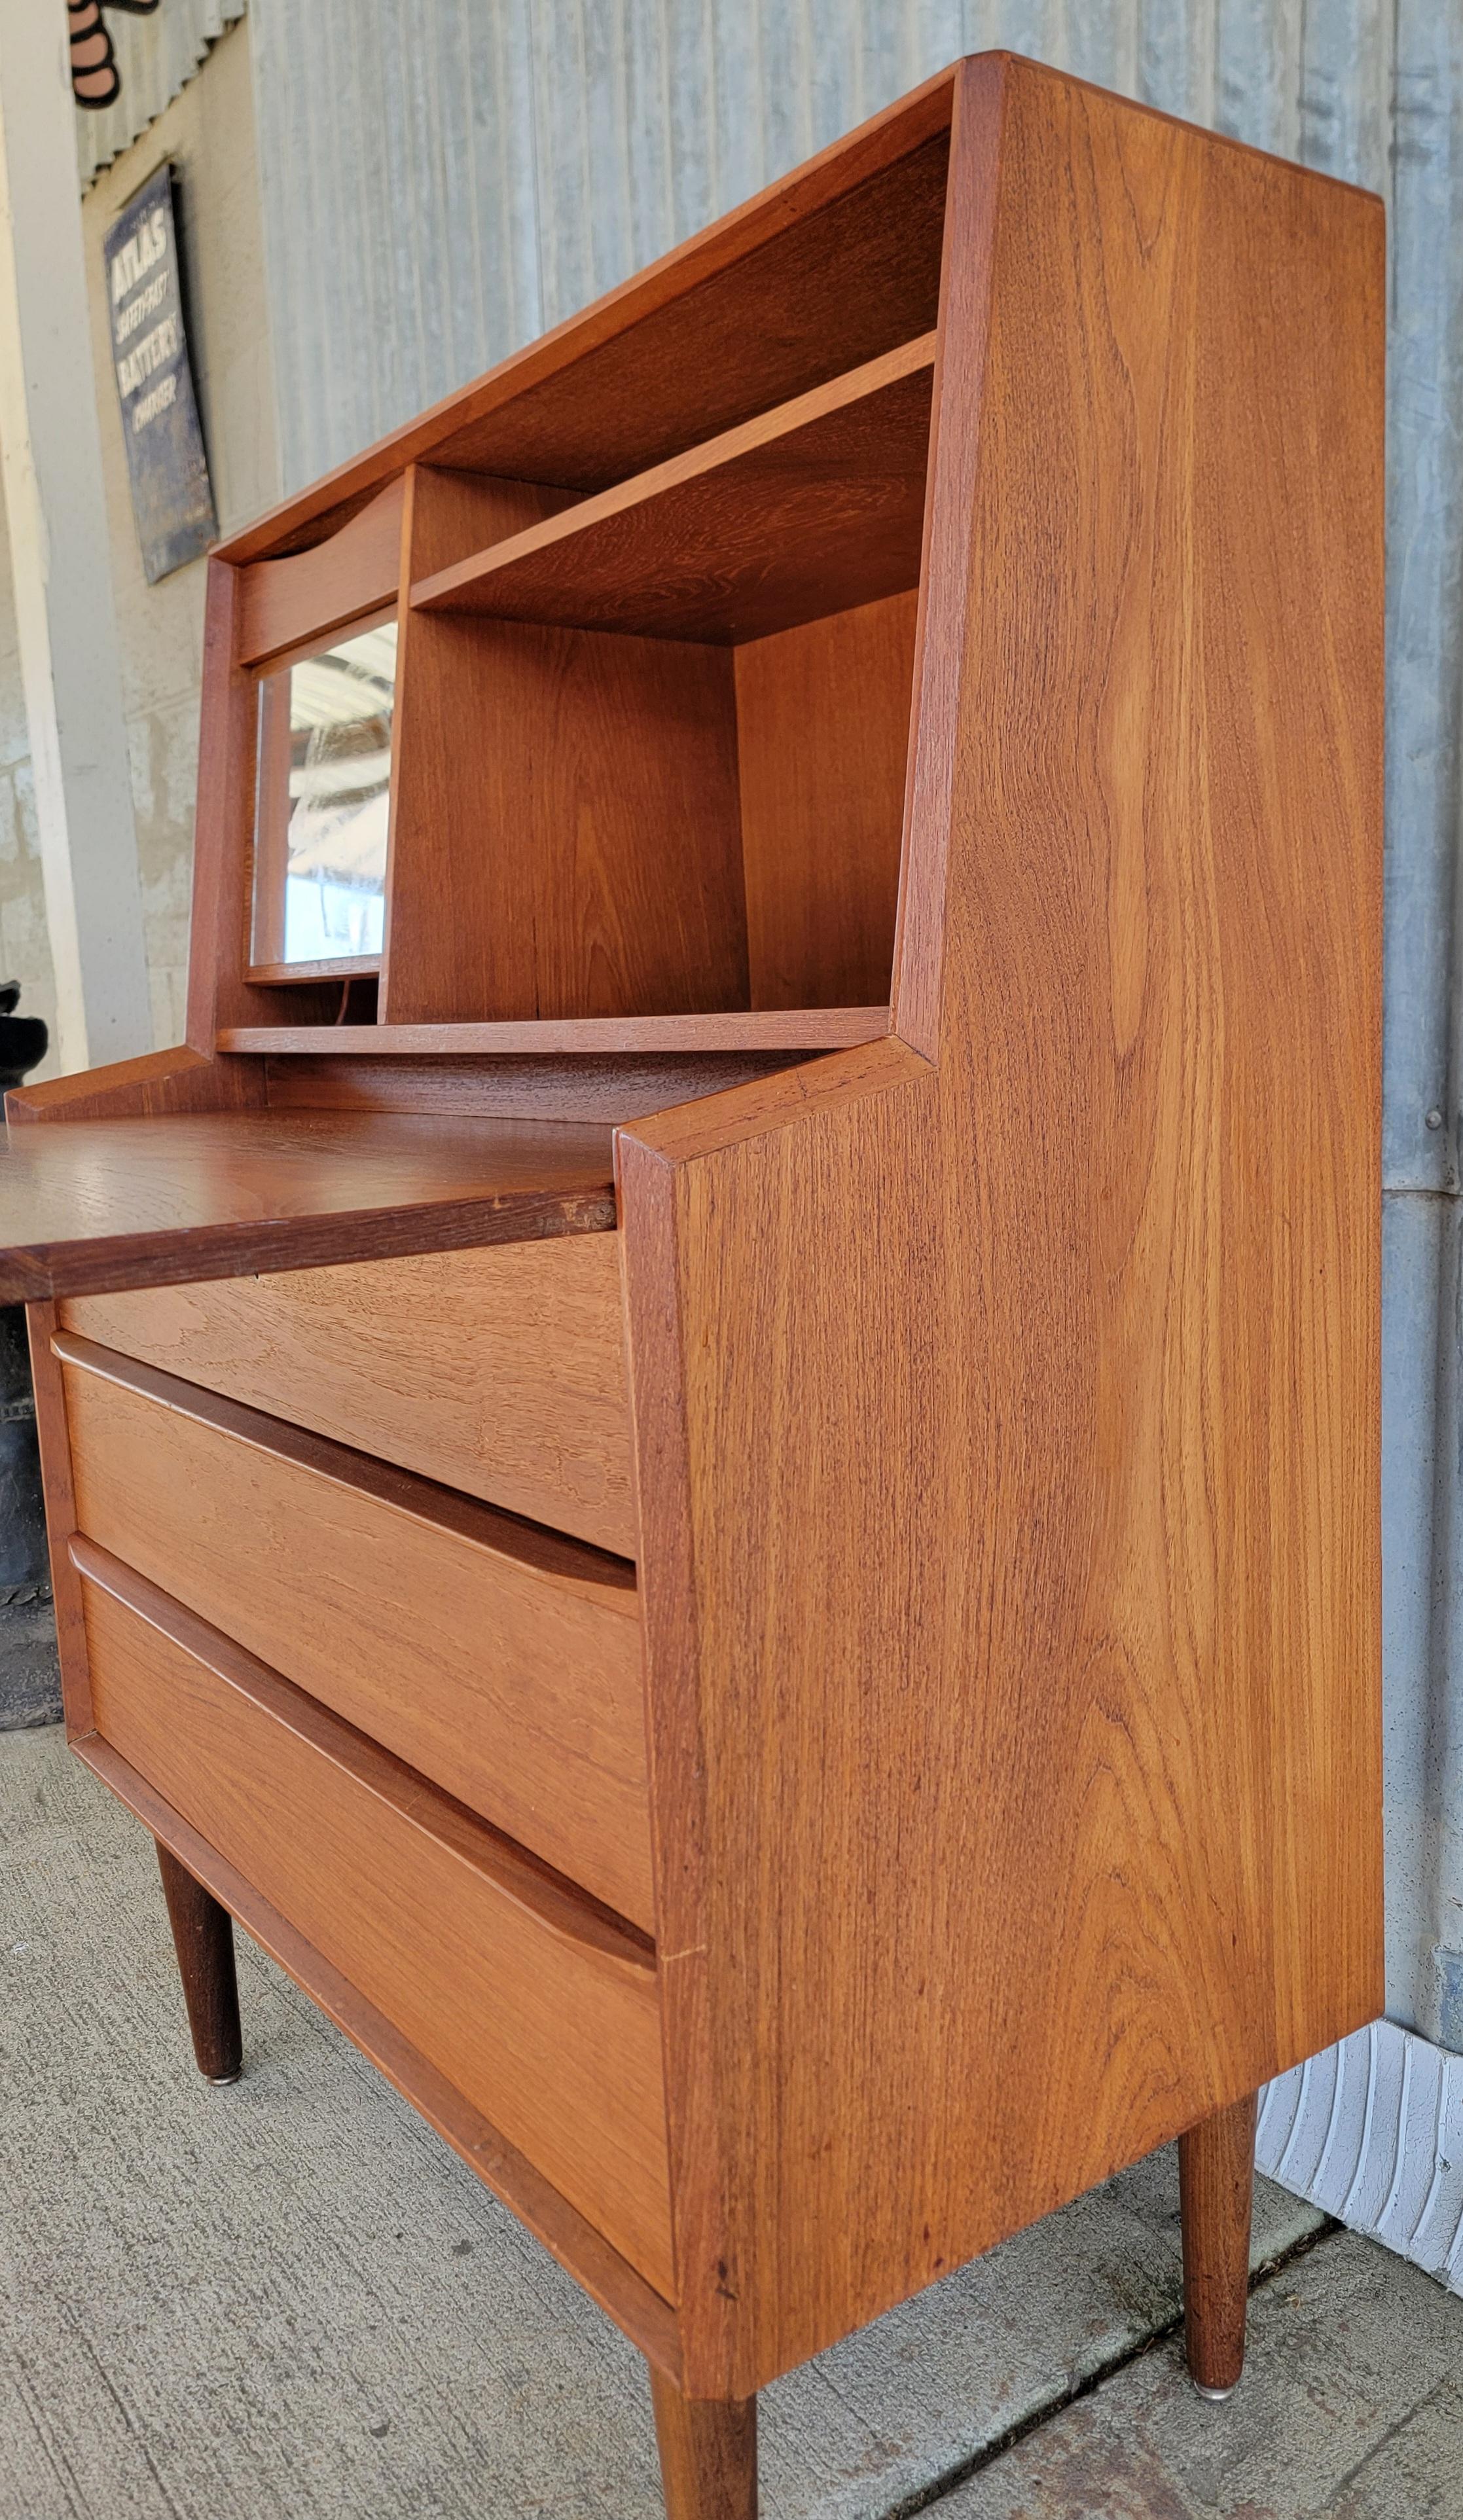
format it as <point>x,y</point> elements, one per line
<point>172,500</point>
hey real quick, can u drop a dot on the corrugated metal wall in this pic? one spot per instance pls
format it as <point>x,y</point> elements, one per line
<point>444,178</point>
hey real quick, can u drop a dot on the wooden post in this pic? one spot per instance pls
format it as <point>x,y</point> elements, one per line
<point>707,2453</point>
<point>203,1935</point>
<point>1215,2194</point>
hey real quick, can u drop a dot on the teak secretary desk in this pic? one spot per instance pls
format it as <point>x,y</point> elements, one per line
<point>723,1476</point>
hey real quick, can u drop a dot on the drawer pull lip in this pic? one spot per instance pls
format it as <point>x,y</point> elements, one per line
<point>647,2315</point>
<point>555,1902</point>
<point>531,1544</point>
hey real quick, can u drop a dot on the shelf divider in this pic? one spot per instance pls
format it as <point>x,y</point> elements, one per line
<point>778,1028</point>
<point>810,509</point>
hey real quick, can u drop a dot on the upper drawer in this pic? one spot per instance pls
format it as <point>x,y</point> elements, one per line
<point>502,1661</point>
<point>501,1372</point>
<point>539,2009</point>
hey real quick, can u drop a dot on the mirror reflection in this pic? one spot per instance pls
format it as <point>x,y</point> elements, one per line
<point>325,764</point>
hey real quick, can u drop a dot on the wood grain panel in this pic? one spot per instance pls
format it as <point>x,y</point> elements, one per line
<point>822,744</point>
<point>644,2317</point>
<point>630,1036</point>
<point>55,1448</point>
<point>452,514</point>
<point>807,510</point>
<point>163,1082</point>
<point>708,2454</point>
<point>330,966</point>
<point>500,1371</point>
<point>100,1204</point>
<point>1008,1436</point>
<point>740,317</point>
<point>308,596</point>
<point>541,2012</point>
<point>500,1660</point>
<point>573,1087</point>
<point>565,832</point>
<point>218,949</point>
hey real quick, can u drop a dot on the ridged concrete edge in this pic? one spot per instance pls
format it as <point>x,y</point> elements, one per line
<point>1372,2132</point>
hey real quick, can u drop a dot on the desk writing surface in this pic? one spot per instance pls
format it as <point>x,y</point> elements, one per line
<point>88,1207</point>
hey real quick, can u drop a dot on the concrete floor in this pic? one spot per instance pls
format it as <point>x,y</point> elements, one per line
<point>290,2302</point>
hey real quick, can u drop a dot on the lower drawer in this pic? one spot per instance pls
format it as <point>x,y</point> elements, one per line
<point>499,1371</point>
<point>539,2010</point>
<point>502,1661</point>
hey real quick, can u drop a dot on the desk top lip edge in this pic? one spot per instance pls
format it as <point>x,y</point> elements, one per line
<point>551,1178</point>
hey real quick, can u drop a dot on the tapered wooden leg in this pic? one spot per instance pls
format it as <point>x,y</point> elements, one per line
<point>707,2453</point>
<point>1216,2197</point>
<point>203,1935</point>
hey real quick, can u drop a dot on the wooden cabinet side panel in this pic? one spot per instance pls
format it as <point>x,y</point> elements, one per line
<point>1011,1537</point>
<point>58,1489</point>
<point>218,946</point>
<point>822,740</point>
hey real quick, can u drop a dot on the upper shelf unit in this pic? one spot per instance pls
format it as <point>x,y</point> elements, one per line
<point>590,723</point>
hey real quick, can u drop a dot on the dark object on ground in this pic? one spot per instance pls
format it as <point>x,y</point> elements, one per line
<point>23,1039</point>
<point>30,1675</point>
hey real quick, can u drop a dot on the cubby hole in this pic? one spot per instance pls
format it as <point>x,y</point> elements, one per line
<point>623,826</point>
<point>652,747</point>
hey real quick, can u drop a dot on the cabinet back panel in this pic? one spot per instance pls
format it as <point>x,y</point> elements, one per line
<point>565,835</point>
<point>822,740</point>
<point>844,284</point>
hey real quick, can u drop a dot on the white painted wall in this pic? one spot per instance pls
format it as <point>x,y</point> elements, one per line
<point>208,131</point>
<point>65,635</point>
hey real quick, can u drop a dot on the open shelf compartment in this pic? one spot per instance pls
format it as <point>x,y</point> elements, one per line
<point>651,726</point>
<point>652,750</point>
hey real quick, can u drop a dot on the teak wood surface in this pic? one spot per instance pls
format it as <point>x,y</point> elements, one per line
<point>501,1661</point>
<point>752,1030</point>
<point>1217,2202</point>
<point>534,2004</point>
<point>1017,1792</point>
<point>117,1203</point>
<point>575,1085</point>
<point>1004,1379</point>
<point>644,2315</point>
<point>203,1935</point>
<point>802,512</point>
<point>499,1371</point>
<point>645,372</point>
<point>822,794</point>
<point>708,2454</point>
<point>307,596</point>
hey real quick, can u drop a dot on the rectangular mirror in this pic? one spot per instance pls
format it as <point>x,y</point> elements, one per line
<point>321,802</point>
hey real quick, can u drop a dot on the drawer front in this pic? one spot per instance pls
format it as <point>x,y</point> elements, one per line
<point>503,1662</point>
<point>544,2015</point>
<point>501,1372</point>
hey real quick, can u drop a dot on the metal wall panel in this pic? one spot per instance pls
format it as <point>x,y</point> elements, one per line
<point>156,57</point>
<point>444,178</point>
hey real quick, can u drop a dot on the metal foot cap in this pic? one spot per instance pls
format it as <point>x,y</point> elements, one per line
<point>1214,2396</point>
<point>220,2082</point>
